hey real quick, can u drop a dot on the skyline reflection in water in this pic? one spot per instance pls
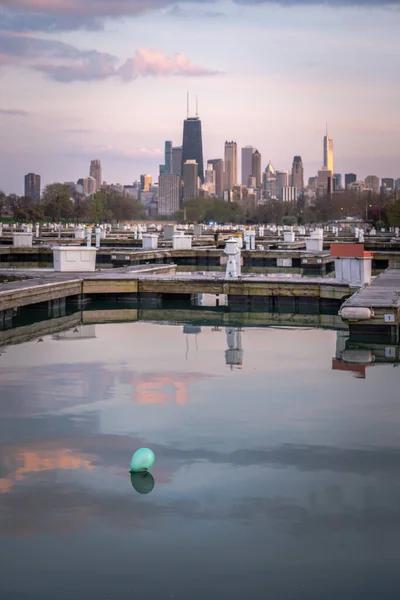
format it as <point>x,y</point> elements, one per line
<point>276,473</point>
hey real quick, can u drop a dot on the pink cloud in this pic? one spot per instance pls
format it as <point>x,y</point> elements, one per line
<point>148,62</point>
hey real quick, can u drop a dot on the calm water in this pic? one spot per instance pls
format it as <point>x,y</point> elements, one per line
<point>274,478</point>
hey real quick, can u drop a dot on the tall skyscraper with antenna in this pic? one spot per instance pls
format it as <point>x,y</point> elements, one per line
<point>192,145</point>
<point>328,153</point>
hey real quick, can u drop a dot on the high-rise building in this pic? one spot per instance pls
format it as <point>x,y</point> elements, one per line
<point>168,157</point>
<point>192,146</point>
<point>145,182</point>
<point>32,186</point>
<point>176,165</point>
<point>247,163</point>
<point>251,182</point>
<point>289,194</point>
<point>324,182</point>
<point>337,181</point>
<point>349,178</point>
<point>190,179</point>
<point>328,153</point>
<point>388,183</point>
<point>230,165</point>
<point>397,184</point>
<point>168,194</point>
<point>96,172</point>
<point>372,183</point>
<point>218,166</point>
<point>89,186</point>
<point>297,179</point>
<point>256,167</point>
<point>282,181</point>
<point>210,179</point>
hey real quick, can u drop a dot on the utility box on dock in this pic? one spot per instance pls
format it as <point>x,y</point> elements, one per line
<point>79,234</point>
<point>169,231</point>
<point>180,241</point>
<point>315,243</point>
<point>74,259</point>
<point>150,241</point>
<point>22,240</point>
<point>352,264</point>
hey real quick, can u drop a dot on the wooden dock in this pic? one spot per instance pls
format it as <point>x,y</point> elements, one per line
<point>381,300</point>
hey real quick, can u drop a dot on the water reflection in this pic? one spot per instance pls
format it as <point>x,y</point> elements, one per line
<point>143,483</point>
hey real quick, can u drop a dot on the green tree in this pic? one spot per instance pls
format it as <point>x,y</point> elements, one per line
<point>57,203</point>
<point>393,214</point>
<point>111,205</point>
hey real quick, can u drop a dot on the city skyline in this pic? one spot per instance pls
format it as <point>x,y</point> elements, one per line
<point>111,83</point>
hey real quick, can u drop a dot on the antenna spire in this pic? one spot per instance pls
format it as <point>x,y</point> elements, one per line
<point>197,106</point>
<point>187,108</point>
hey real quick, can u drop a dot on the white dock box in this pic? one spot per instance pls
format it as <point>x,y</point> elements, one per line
<point>74,259</point>
<point>22,240</point>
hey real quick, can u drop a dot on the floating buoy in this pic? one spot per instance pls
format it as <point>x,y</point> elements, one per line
<point>143,483</point>
<point>142,460</point>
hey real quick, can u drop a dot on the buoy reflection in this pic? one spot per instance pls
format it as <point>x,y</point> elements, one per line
<point>143,483</point>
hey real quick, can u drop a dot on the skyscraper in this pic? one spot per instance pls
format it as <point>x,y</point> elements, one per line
<point>337,181</point>
<point>145,182</point>
<point>349,178</point>
<point>230,165</point>
<point>256,167</point>
<point>218,166</point>
<point>89,186</point>
<point>96,172</point>
<point>328,153</point>
<point>190,179</point>
<point>168,193</point>
<point>32,186</point>
<point>297,173</point>
<point>282,181</point>
<point>192,146</point>
<point>247,163</point>
<point>176,166</point>
<point>168,157</point>
<point>372,183</point>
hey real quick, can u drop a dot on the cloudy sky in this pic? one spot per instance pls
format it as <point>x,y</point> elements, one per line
<point>83,79</point>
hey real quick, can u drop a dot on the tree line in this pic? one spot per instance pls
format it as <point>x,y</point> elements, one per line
<point>58,203</point>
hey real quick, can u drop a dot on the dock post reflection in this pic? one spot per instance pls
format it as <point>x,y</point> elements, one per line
<point>234,353</point>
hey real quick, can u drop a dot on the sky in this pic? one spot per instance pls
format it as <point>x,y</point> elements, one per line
<point>108,79</point>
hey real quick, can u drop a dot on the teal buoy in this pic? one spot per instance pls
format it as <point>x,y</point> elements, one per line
<point>142,460</point>
<point>143,482</point>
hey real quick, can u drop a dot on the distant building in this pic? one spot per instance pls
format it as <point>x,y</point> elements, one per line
<point>297,179</point>
<point>192,145</point>
<point>96,172</point>
<point>388,183</point>
<point>328,153</point>
<point>337,181</point>
<point>32,186</point>
<point>312,183</point>
<point>324,182</point>
<point>89,186</point>
<point>349,178</point>
<point>176,157</point>
<point>247,163</point>
<point>372,183</point>
<point>251,182</point>
<point>230,165</point>
<point>190,179</point>
<point>282,181</point>
<point>256,167</point>
<point>397,184</point>
<point>269,181</point>
<point>132,191</point>
<point>218,166</point>
<point>210,180</point>
<point>289,194</point>
<point>145,182</point>
<point>168,194</point>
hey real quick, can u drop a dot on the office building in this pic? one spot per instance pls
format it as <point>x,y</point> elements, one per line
<point>168,193</point>
<point>397,184</point>
<point>337,182</point>
<point>328,153</point>
<point>32,186</point>
<point>372,183</point>
<point>289,194</point>
<point>282,181</point>
<point>190,180</point>
<point>145,182</point>
<point>218,166</point>
<point>256,167</point>
<point>210,179</point>
<point>96,172</point>
<point>192,146</point>
<point>89,186</point>
<point>297,179</point>
<point>388,183</point>
<point>176,165</point>
<point>349,178</point>
<point>251,182</point>
<point>168,157</point>
<point>324,182</point>
<point>230,179</point>
<point>247,163</point>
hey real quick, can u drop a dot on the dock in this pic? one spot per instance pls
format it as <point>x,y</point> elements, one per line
<point>375,308</point>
